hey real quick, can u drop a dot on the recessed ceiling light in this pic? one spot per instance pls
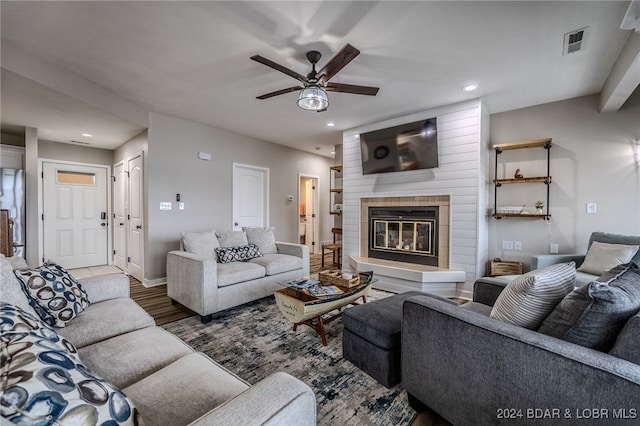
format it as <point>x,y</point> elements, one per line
<point>331,124</point>
<point>87,135</point>
<point>470,87</point>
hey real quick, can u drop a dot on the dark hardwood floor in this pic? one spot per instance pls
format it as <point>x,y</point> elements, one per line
<point>155,301</point>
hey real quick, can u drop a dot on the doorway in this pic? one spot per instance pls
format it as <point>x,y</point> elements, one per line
<point>75,216</point>
<point>308,220</point>
<point>250,196</point>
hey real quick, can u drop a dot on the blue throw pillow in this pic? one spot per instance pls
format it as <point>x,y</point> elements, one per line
<point>55,295</point>
<point>45,382</point>
<point>238,254</point>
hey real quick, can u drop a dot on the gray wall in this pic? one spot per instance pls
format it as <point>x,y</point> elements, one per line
<point>205,186</point>
<point>71,152</point>
<point>591,162</point>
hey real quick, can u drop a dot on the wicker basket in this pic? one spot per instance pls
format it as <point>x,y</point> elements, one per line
<point>505,267</point>
<point>334,277</point>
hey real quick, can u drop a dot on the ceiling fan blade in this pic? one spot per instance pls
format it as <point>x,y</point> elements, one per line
<point>339,61</point>
<point>352,88</point>
<point>280,92</point>
<point>279,67</point>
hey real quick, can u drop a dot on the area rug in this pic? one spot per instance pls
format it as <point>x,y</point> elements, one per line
<point>255,340</point>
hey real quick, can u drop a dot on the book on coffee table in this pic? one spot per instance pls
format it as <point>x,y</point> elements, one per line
<point>303,283</point>
<point>327,290</point>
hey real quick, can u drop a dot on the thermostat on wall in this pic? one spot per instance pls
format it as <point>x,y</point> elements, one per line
<point>204,156</point>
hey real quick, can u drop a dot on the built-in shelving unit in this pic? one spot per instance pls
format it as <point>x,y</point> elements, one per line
<point>335,189</point>
<point>546,179</point>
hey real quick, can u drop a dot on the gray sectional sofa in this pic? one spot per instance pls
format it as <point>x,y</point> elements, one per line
<point>166,380</point>
<point>198,280</point>
<point>475,370</point>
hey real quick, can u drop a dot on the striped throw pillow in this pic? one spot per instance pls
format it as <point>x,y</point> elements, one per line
<point>529,299</point>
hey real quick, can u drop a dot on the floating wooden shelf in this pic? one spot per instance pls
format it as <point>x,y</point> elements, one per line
<point>523,144</point>
<point>532,215</point>
<point>544,179</point>
<point>336,189</point>
<point>334,212</point>
<point>336,168</point>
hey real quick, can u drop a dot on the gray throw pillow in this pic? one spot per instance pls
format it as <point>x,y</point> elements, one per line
<point>263,238</point>
<point>200,243</point>
<point>232,238</point>
<point>603,256</point>
<point>593,315</point>
<point>627,346</point>
<point>528,299</point>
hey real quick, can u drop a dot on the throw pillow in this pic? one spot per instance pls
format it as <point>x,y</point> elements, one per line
<point>237,254</point>
<point>528,299</point>
<point>232,238</point>
<point>55,295</point>
<point>263,238</point>
<point>626,346</point>
<point>200,243</point>
<point>45,382</point>
<point>603,256</point>
<point>10,288</point>
<point>594,314</point>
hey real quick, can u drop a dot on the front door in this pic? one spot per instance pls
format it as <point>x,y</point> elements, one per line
<point>136,213</point>
<point>250,196</point>
<point>75,219</point>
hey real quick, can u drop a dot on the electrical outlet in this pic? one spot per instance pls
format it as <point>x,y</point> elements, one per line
<point>553,248</point>
<point>181,205</point>
<point>591,208</point>
<point>517,245</point>
<point>507,245</point>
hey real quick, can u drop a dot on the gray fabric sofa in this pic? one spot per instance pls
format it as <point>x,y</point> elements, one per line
<point>206,286</point>
<point>475,370</point>
<point>583,278</point>
<point>167,381</point>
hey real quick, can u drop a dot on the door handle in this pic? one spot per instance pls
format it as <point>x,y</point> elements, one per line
<point>103,224</point>
<point>121,223</point>
<point>138,227</point>
<point>235,223</point>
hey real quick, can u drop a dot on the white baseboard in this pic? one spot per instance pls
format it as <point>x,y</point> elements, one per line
<point>154,283</point>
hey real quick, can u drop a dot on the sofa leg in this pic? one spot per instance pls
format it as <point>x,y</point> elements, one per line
<point>415,403</point>
<point>173,302</point>
<point>206,318</point>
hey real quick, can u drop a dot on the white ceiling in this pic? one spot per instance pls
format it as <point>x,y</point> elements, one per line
<point>191,60</point>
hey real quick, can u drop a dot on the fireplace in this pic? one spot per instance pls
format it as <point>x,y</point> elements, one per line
<point>404,233</point>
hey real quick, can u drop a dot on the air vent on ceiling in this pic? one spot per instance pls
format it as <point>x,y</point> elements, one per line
<point>574,41</point>
<point>79,142</point>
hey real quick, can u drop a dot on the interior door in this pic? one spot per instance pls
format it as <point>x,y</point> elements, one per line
<point>120,190</point>
<point>308,215</point>
<point>75,219</point>
<point>135,261</point>
<point>250,196</point>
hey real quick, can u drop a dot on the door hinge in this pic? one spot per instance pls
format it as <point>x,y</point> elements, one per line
<point>113,178</point>
<point>313,243</point>
<point>42,217</point>
<point>313,215</point>
<point>128,259</point>
<point>114,215</point>
<point>42,175</point>
<point>127,172</point>
<point>128,217</point>
<point>313,187</point>
<point>114,252</point>
<point>43,260</point>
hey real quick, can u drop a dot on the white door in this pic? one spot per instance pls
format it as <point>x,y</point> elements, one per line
<point>120,186</point>
<point>250,196</point>
<point>75,219</point>
<point>308,196</point>
<point>136,213</point>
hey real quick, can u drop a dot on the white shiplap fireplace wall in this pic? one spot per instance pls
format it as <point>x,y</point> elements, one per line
<point>463,147</point>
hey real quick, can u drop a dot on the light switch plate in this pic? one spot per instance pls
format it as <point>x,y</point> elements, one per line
<point>591,208</point>
<point>165,205</point>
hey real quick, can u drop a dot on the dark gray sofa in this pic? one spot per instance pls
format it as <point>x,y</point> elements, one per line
<point>474,370</point>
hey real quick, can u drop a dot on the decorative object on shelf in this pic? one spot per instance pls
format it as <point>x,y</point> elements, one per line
<point>518,175</point>
<point>337,207</point>
<point>505,267</point>
<point>539,206</point>
<point>511,209</point>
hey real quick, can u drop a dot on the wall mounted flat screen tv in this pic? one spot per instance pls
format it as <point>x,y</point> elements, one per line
<point>411,146</point>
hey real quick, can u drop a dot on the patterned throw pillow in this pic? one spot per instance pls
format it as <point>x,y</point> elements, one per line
<point>238,254</point>
<point>45,382</point>
<point>527,300</point>
<point>56,296</point>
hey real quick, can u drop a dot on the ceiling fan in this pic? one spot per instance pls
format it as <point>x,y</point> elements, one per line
<point>315,85</point>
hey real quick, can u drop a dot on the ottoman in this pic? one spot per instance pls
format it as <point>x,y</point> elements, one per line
<point>371,337</point>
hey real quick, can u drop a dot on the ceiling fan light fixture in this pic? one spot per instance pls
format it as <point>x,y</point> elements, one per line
<point>313,98</point>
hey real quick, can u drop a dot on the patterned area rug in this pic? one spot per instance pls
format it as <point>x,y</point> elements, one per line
<point>255,340</point>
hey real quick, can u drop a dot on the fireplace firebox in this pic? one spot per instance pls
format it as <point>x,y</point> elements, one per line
<point>404,234</point>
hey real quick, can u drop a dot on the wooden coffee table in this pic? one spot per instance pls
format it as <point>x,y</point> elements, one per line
<point>300,307</point>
